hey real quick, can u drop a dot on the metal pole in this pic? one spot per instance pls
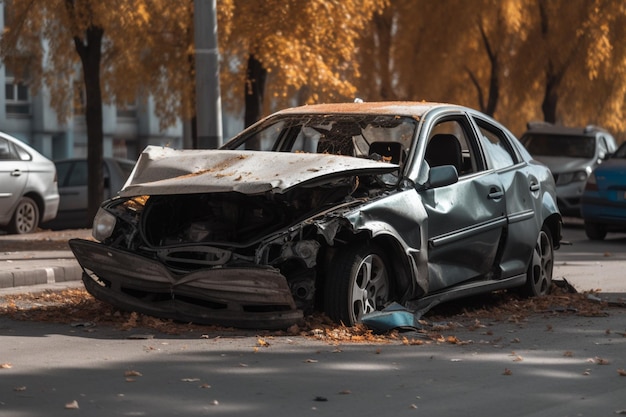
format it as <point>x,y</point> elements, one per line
<point>208,101</point>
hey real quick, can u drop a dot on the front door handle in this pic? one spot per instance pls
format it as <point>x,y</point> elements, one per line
<point>495,194</point>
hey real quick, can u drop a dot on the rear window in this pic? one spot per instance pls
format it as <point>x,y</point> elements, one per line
<point>557,145</point>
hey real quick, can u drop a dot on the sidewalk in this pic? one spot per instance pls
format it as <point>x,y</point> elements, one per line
<point>41,258</point>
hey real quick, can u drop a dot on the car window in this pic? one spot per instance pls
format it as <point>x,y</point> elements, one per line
<point>560,145</point>
<point>603,147</point>
<point>264,139</point>
<point>7,152</point>
<point>499,152</point>
<point>349,135</point>
<point>22,153</point>
<point>78,175</point>
<point>63,169</point>
<point>437,155</point>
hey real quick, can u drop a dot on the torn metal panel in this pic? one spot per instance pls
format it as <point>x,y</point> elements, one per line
<point>402,216</point>
<point>161,171</point>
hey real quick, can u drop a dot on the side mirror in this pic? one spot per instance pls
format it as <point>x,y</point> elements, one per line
<point>442,175</point>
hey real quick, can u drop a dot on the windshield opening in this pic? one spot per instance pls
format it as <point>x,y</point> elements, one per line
<point>348,135</point>
<point>566,146</point>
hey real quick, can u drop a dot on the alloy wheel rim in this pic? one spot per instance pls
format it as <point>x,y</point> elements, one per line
<point>370,287</point>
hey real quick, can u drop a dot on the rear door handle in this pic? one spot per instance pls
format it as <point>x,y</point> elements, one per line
<point>534,186</point>
<point>16,173</point>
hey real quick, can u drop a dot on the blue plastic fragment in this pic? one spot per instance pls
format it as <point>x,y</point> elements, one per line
<point>394,316</point>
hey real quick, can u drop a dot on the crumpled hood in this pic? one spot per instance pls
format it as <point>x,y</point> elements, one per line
<point>162,171</point>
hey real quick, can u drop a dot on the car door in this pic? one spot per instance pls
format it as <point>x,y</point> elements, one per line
<point>72,186</point>
<point>466,220</point>
<point>522,190</point>
<point>13,178</point>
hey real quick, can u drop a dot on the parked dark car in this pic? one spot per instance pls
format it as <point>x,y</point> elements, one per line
<point>604,200</point>
<point>571,153</point>
<point>28,187</point>
<point>342,208</point>
<point>72,175</point>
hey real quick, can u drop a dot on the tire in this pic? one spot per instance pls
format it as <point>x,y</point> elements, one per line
<point>357,284</point>
<point>539,275</point>
<point>595,231</point>
<point>25,218</point>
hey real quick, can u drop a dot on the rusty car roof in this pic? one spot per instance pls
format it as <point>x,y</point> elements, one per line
<point>405,108</point>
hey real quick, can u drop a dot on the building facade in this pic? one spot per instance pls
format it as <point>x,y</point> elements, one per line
<point>126,131</point>
<point>30,118</point>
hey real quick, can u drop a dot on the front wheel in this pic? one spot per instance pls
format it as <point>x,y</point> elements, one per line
<point>25,218</point>
<point>539,275</point>
<point>357,284</point>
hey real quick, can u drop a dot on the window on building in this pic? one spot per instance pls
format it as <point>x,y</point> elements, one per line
<point>17,96</point>
<point>127,110</point>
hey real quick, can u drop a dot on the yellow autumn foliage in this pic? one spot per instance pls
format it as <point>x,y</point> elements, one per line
<point>519,60</point>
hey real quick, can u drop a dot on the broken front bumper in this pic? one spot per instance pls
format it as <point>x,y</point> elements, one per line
<point>246,297</point>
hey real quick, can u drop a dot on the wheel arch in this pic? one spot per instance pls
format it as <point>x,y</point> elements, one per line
<point>399,263</point>
<point>400,268</point>
<point>38,199</point>
<point>554,223</point>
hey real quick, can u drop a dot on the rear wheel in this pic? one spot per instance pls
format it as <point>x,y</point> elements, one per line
<point>539,275</point>
<point>595,231</point>
<point>357,284</point>
<point>25,218</point>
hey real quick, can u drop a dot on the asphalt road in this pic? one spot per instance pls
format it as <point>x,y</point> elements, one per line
<point>591,265</point>
<point>552,364</point>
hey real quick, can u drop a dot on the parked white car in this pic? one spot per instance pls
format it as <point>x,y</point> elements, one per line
<point>28,187</point>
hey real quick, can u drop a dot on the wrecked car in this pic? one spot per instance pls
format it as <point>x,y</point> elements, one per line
<point>339,208</point>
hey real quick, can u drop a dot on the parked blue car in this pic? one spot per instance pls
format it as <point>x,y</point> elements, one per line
<point>603,204</point>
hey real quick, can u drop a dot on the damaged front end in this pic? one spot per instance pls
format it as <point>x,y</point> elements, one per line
<point>227,258</point>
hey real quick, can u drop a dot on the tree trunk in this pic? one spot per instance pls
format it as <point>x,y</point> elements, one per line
<point>494,88</point>
<point>550,98</point>
<point>493,93</point>
<point>90,53</point>
<point>254,91</point>
<point>384,30</point>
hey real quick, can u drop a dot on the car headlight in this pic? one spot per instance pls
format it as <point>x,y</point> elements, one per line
<point>103,225</point>
<point>567,177</point>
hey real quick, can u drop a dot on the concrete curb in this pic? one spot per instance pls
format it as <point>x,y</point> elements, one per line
<point>20,273</point>
<point>41,260</point>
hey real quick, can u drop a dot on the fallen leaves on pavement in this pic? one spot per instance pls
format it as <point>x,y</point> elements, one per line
<point>78,306</point>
